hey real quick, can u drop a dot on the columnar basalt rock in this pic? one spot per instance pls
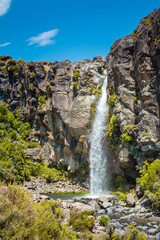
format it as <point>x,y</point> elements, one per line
<point>57,99</point>
<point>134,76</point>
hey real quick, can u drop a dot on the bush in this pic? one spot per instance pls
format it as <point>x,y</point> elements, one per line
<point>126,138</point>
<point>81,221</point>
<point>150,181</point>
<point>76,74</point>
<point>2,63</point>
<point>14,164</point>
<point>135,234</point>
<point>104,220</point>
<point>23,219</point>
<point>48,86</point>
<point>113,130</point>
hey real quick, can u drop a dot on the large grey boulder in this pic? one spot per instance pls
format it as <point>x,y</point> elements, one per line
<point>82,207</point>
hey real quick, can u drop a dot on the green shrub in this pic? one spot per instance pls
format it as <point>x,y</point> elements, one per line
<point>33,75</point>
<point>42,102</point>
<point>23,219</point>
<point>113,129</point>
<point>104,220</point>
<point>135,234</point>
<point>76,74</point>
<point>2,63</point>
<point>31,86</point>
<point>135,101</point>
<point>150,181</point>
<point>126,138</point>
<point>14,164</point>
<point>75,85</point>
<point>81,221</point>
<point>52,174</point>
<point>48,86</point>
<point>20,61</point>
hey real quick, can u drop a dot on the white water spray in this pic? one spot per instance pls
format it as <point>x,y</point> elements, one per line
<point>98,160</point>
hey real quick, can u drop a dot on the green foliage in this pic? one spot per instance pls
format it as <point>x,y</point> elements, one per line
<point>31,86</point>
<point>112,100</point>
<point>81,221</point>
<point>52,174</point>
<point>44,62</point>
<point>96,92</point>
<point>150,181</point>
<point>48,86</point>
<point>75,85</point>
<point>126,138</point>
<point>33,75</point>
<point>112,129</point>
<point>14,164</point>
<point>76,74</point>
<point>20,61</point>
<point>122,196</point>
<point>145,134</point>
<point>11,66</point>
<point>18,114</point>
<point>135,101</point>
<point>23,219</point>
<point>104,220</point>
<point>147,21</point>
<point>41,69</point>
<point>112,125</point>
<point>2,63</point>
<point>93,108</point>
<point>135,234</point>
<point>42,102</point>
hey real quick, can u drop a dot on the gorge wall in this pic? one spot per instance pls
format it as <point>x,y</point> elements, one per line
<point>134,86</point>
<point>58,99</point>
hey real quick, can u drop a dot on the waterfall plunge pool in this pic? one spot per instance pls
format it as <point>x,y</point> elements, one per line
<point>75,195</point>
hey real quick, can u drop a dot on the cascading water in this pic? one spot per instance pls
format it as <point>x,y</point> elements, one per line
<point>98,160</point>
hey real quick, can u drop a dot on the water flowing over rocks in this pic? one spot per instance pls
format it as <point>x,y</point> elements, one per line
<point>120,214</point>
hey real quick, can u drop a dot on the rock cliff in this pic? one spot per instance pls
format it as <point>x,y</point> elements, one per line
<point>134,95</point>
<point>58,99</point>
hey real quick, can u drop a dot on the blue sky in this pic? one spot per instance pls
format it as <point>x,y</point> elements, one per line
<point>59,29</point>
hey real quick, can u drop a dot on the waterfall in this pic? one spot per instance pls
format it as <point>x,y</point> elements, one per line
<point>98,160</point>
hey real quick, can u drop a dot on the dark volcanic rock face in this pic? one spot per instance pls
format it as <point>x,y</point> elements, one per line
<point>57,99</point>
<point>134,76</point>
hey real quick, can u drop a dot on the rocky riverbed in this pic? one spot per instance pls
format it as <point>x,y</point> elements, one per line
<point>122,214</point>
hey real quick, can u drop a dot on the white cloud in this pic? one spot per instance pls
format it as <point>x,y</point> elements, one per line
<point>5,44</point>
<point>44,38</point>
<point>4,6</point>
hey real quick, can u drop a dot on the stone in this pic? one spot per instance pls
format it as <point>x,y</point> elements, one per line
<point>130,199</point>
<point>101,211</point>
<point>33,151</point>
<point>82,207</point>
<point>152,231</point>
<point>106,205</point>
<point>95,206</point>
<point>103,199</point>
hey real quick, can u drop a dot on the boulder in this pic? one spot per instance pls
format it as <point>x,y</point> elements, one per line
<point>103,199</point>
<point>82,207</point>
<point>130,199</point>
<point>95,206</point>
